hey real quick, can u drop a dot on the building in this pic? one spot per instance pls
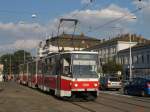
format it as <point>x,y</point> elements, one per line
<point>66,42</point>
<point>140,60</point>
<point>109,49</point>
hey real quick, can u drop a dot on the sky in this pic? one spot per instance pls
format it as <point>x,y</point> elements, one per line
<point>23,23</point>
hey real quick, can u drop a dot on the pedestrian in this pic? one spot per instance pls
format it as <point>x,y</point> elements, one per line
<point>4,78</point>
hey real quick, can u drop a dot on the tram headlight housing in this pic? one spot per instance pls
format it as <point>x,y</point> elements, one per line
<point>95,84</point>
<point>76,85</point>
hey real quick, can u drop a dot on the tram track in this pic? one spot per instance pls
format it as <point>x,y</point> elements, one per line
<point>83,107</point>
<point>111,106</point>
<point>132,98</point>
<point>142,99</point>
<point>137,98</point>
<point>126,102</point>
<point>102,104</point>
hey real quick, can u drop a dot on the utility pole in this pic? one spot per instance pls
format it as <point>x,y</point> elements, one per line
<point>130,59</point>
<point>24,54</point>
<point>10,66</point>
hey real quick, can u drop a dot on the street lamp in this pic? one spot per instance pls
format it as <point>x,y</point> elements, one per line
<point>36,59</point>
<point>10,66</point>
<point>34,15</point>
<point>130,64</point>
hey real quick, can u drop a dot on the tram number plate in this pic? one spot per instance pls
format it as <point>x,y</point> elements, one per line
<point>85,84</point>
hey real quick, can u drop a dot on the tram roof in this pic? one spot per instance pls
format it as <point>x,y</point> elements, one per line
<point>81,52</point>
<point>66,52</point>
<point>74,52</point>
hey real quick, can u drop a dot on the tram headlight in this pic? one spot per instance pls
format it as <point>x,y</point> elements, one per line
<point>95,84</point>
<point>76,85</point>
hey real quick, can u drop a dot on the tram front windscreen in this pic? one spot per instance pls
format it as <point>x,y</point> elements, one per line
<point>84,65</point>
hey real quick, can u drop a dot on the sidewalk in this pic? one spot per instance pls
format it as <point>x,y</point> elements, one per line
<point>1,86</point>
<point>1,89</point>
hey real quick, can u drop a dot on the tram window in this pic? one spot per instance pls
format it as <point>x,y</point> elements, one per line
<point>39,67</point>
<point>66,67</point>
<point>58,67</point>
<point>33,68</point>
<point>84,56</point>
<point>51,66</point>
<point>45,69</point>
<point>30,69</point>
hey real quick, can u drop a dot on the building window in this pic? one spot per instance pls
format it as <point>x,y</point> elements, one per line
<point>99,52</point>
<point>134,59</point>
<point>137,59</point>
<point>119,60</point>
<point>106,50</point>
<point>114,50</point>
<point>142,59</point>
<point>123,60</point>
<point>148,59</point>
<point>103,51</point>
<point>126,60</point>
<point>111,50</point>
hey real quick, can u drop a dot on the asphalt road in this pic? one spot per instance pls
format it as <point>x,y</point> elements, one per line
<point>18,98</point>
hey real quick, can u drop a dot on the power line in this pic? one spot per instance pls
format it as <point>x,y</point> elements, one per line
<point>82,8</point>
<point>114,20</point>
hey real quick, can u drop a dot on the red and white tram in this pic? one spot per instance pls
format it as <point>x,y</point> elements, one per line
<point>66,74</point>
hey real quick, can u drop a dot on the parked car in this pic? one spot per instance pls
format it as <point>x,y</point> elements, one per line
<point>110,83</point>
<point>138,86</point>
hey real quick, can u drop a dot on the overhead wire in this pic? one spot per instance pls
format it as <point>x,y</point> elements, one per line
<point>115,20</point>
<point>75,14</point>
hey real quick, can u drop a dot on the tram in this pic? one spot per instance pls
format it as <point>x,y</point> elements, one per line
<point>70,74</point>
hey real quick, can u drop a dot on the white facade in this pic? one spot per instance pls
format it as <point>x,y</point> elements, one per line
<point>43,51</point>
<point>109,51</point>
<point>121,45</point>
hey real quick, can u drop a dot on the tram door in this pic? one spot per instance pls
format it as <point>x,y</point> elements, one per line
<point>58,74</point>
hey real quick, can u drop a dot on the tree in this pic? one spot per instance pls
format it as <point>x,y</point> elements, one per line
<point>112,68</point>
<point>5,60</point>
<point>11,62</point>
